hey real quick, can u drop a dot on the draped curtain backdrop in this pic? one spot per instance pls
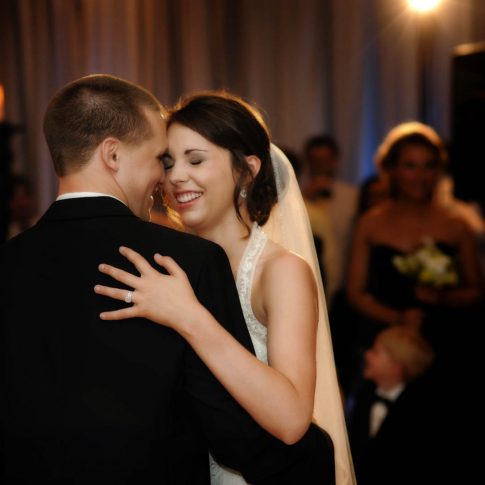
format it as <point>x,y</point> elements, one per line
<point>347,67</point>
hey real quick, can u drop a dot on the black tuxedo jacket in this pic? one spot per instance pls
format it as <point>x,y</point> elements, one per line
<point>85,401</point>
<point>402,450</point>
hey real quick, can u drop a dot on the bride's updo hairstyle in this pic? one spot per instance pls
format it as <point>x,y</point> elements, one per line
<point>229,122</point>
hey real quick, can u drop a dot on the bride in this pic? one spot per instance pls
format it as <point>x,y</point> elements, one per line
<point>226,183</point>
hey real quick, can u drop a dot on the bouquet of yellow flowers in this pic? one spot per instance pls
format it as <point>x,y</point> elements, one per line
<point>428,265</point>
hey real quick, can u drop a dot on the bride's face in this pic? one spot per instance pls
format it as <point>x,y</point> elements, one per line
<point>199,180</point>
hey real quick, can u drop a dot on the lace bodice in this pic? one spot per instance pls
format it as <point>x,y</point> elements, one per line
<point>258,332</point>
<point>244,283</point>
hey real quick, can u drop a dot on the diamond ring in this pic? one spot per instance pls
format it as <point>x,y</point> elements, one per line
<point>129,297</point>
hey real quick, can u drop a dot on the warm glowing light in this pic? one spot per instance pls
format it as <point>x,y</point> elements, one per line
<point>424,5</point>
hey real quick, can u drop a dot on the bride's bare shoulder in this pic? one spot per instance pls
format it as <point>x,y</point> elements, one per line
<point>282,277</point>
<point>278,262</point>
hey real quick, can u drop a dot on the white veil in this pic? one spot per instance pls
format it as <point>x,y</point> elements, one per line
<point>289,226</point>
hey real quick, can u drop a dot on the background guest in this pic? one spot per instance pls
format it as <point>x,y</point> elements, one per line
<point>331,205</point>
<point>382,295</point>
<point>412,156</point>
<point>391,426</point>
<point>373,191</point>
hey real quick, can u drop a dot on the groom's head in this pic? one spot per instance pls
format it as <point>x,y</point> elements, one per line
<point>86,111</point>
<point>109,132</point>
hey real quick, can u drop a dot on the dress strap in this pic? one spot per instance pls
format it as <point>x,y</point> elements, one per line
<point>244,280</point>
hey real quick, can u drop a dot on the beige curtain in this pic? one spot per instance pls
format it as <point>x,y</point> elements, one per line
<point>348,67</point>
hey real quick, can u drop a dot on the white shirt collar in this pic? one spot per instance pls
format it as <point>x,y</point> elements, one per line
<point>391,394</point>
<point>78,195</point>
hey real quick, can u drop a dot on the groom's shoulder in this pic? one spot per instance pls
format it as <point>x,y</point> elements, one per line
<point>180,243</point>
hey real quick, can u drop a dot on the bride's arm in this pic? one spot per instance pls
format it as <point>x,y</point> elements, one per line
<point>280,396</point>
<point>289,295</point>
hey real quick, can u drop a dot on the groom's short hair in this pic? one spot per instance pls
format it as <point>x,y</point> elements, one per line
<point>86,111</point>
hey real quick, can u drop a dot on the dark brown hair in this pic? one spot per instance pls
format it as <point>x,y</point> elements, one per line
<point>228,121</point>
<point>318,141</point>
<point>86,111</point>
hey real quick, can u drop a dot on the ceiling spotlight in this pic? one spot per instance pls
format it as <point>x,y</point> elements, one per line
<point>423,5</point>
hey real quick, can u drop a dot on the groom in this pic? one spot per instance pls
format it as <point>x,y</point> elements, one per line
<point>84,401</point>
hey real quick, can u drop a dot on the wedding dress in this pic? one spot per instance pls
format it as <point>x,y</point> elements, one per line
<point>221,475</point>
<point>289,226</point>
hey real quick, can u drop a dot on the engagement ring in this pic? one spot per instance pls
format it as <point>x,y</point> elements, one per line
<point>129,297</point>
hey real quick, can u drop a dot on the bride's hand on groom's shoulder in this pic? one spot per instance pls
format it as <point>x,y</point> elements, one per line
<point>166,299</point>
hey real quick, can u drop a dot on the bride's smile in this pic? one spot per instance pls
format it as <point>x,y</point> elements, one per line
<point>199,179</point>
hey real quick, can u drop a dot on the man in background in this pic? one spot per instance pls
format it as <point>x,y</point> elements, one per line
<point>331,204</point>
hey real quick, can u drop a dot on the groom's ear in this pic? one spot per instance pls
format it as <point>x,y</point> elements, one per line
<point>109,151</point>
<point>254,164</point>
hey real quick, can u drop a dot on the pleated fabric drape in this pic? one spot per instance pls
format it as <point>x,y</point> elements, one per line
<point>348,67</point>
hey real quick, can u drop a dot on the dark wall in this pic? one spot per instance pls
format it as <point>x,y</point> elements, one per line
<point>468,122</point>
